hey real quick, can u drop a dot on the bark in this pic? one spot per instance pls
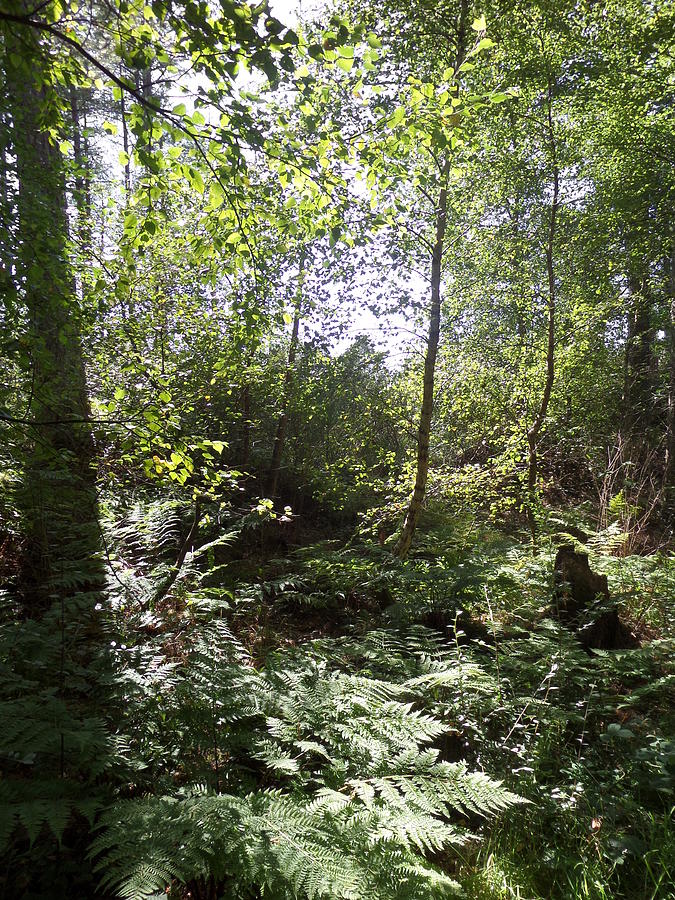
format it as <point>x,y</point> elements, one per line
<point>424,430</point>
<point>534,430</point>
<point>57,497</point>
<point>279,440</point>
<point>412,515</point>
<point>669,475</point>
<point>125,140</point>
<point>638,400</point>
<point>186,547</point>
<point>77,148</point>
<point>7,289</point>
<point>246,426</point>
<point>81,187</point>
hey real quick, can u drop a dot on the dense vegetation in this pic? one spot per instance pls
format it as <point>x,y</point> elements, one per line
<point>335,351</point>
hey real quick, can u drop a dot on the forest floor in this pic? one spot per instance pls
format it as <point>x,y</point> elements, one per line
<point>290,668</point>
<point>588,736</point>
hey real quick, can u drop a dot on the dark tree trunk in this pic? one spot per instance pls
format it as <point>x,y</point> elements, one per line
<point>246,425</point>
<point>82,181</point>
<point>669,475</point>
<point>639,368</point>
<point>279,440</point>
<point>535,428</point>
<point>125,144</point>
<point>58,495</point>
<point>582,602</point>
<point>402,546</point>
<point>424,429</point>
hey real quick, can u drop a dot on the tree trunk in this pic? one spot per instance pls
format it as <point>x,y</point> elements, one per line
<point>125,144</point>
<point>7,287</point>
<point>412,515</point>
<point>58,495</point>
<point>424,430</point>
<point>81,186</point>
<point>639,385</point>
<point>535,428</point>
<point>246,425</point>
<point>669,474</point>
<point>278,449</point>
<point>78,191</point>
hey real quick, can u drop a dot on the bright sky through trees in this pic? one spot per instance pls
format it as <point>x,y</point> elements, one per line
<point>337,449</point>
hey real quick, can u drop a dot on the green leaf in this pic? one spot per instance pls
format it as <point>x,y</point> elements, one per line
<point>197,181</point>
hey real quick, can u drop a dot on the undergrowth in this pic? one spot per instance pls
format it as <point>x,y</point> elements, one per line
<point>341,724</point>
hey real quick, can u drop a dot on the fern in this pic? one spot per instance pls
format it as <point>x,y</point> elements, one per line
<point>345,796</point>
<point>269,838</point>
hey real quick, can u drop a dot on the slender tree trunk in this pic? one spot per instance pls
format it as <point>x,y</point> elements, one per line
<point>279,440</point>
<point>58,495</point>
<point>77,148</point>
<point>144,84</point>
<point>402,546</point>
<point>535,428</point>
<point>81,187</point>
<point>424,430</point>
<point>125,143</point>
<point>7,287</point>
<point>639,384</point>
<point>669,474</point>
<point>246,425</point>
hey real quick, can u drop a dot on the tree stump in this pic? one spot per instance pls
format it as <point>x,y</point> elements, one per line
<point>578,591</point>
<point>577,585</point>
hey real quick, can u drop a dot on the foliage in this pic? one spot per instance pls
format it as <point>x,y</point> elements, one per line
<point>234,253</point>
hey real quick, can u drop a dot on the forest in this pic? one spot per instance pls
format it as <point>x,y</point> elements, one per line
<point>337,449</point>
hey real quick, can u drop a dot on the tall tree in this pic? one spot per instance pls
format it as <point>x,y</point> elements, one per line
<point>289,374</point>
<point>670,430</point>
<point>414,509</point>
<point>58,495</point>
<point>534,429</point>
<point>426,410</point>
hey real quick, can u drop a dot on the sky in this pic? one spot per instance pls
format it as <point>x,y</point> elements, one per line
<point>393,334</point>
<point>389,333</point>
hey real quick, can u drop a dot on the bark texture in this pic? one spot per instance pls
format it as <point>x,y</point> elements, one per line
<point>402,546</point>
<point>535,428</point>
<point>669,475</point>
<point>638,400</point>
<point>424,429</point>
<point>583,603</point>
<point>58,496</point>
